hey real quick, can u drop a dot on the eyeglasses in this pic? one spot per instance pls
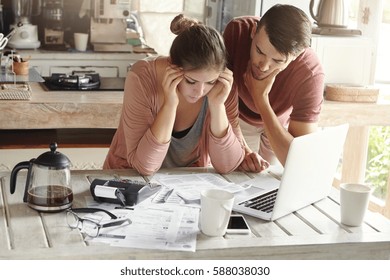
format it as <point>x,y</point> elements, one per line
<point>89,226</point>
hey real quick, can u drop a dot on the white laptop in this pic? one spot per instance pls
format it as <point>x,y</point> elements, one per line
<point>307,177</point>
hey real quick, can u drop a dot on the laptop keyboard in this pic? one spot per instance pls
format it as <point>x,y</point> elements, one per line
<point>264,202</point>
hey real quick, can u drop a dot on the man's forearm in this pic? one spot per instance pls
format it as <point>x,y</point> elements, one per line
<point>277,135</point>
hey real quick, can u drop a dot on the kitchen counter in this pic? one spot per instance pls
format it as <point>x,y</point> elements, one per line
<point>62,109</point>
<point>81,122</point>
<point>102,109</point>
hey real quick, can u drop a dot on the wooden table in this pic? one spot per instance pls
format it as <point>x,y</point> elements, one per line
<point>313,232</point>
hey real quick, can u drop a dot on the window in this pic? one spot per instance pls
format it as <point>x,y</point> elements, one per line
<point>383,55</point>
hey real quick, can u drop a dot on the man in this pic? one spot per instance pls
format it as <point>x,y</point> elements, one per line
<point>278,79</point>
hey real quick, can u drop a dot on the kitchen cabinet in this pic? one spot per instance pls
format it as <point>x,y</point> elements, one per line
<point>346,60</point>
<point>106,64</point>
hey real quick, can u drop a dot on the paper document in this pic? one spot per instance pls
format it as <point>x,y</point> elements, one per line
<point>186,188</point>
<point>168,220</point>
<point>163,227</point>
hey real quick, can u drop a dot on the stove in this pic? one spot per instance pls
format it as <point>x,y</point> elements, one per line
<point>80,81</point>
<point>59,81</point>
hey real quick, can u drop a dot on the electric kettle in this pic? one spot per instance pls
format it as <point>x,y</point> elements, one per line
<point>48,186</point>
<point>330,13</point>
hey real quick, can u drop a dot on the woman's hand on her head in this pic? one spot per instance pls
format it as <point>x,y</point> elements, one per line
<point>172,77</point>
<point>220,91</point>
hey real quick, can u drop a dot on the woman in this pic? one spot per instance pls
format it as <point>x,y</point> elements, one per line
<point>176,110</point>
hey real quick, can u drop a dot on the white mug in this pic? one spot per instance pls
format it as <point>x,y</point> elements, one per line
<point>354,200</point>
<point>216,207</point>
<point>81,41</point>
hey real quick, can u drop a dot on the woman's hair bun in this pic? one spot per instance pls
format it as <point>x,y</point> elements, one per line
<point>181,23</point>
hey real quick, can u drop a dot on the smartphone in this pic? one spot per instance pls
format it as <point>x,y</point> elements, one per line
<point>237,225</point>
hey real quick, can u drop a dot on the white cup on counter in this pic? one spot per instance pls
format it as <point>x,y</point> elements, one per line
<point>80,41</point>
